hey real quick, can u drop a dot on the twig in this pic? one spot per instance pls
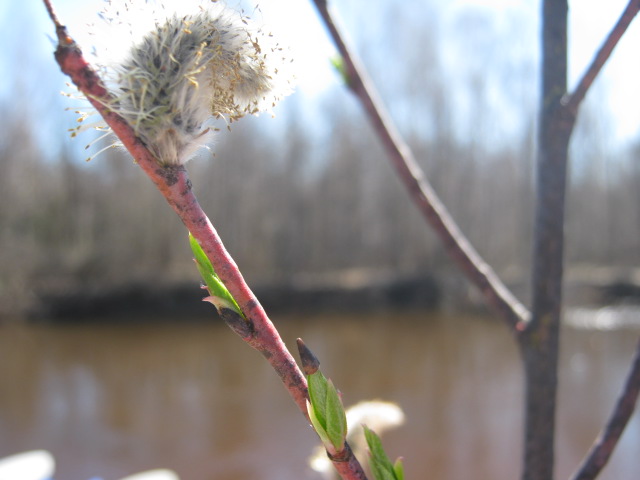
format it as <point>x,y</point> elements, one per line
<point>421,192</point>
<point>347,465</point>
<point>606,442</point>
<point>174,184</point>
<point>608,439</point>
<point>51,12</point>
<point>572,102</point>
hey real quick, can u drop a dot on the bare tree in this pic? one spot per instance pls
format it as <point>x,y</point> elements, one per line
<point>537,332</point>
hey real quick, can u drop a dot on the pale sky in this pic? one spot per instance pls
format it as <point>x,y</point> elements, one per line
<point>590,22</point>
<point>296,23</point>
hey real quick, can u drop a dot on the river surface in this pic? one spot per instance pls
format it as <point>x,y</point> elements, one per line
<point>111,400</point>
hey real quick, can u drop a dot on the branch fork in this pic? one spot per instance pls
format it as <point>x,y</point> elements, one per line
<point>531,329</point>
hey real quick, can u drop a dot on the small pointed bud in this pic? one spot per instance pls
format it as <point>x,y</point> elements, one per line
<point>310,363</point>
<point>237,323</point>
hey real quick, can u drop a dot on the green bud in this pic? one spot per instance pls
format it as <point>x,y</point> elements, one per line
<point>338,63</point>
<point>220,296</point>
<point>325,408</point>
<point>381,466</point>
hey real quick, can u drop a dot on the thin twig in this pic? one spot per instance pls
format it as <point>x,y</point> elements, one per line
<point>174,184</point>
<point>421,192</point>
<point>572,102</point>
<point>608,439</point>
<point>51,12</point>
<point>606,442</point>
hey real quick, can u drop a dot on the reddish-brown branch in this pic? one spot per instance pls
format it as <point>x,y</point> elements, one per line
<point>51,12</point>
<point>572,102</point>
<point>459,248</point>
<point>174,184</point>
<point>603,447</point>
<point>347,465</point>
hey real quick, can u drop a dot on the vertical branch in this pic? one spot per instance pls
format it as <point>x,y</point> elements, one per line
<point>553,141</point>
<point>538,334</point>
<point>540,341</point>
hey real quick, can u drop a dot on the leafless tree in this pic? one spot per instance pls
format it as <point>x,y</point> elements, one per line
<point>536,331</point>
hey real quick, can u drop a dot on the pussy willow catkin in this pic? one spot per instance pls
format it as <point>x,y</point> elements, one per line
<point>213,62</point>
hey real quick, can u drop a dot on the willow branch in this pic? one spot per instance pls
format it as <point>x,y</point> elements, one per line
<point>174,184</point>
<point>572,101</point>
<point>421,192</point>
<point>606,442</point>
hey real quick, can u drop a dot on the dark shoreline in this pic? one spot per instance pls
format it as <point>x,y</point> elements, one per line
<point>339,293</point>
<point>185,300</point>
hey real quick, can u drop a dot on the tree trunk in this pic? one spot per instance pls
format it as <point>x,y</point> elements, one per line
<point>539,343</point>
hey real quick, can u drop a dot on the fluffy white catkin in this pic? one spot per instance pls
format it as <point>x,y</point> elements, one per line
<point>211,62</point>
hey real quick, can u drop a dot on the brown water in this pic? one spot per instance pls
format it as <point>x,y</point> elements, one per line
<point>113,400</point>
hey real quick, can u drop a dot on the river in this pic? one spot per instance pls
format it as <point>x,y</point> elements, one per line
<point>113,399</point>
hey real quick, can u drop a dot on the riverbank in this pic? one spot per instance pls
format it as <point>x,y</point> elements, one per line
<point>340,293</point>
<point>347,291</point>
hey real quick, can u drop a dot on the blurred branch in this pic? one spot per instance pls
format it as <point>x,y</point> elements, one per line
<point>558,118</point>
<point>540,341</point>
<point>538,331</point>
<point>608,439</point>
<point>174,184</point>
<point>420,191</point>
<point>606,442</point>
<point>572,101</point>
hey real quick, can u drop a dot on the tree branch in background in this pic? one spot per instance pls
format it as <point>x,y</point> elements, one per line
<point>572,102</point>
<point>537,332</point>
<point>606,442</point>
<point>540,343</point>
<point>174,184</point>
<point>608,439</point>
<point>421,192</point>
<point>558,116</point>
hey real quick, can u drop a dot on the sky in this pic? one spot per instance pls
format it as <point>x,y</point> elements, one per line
<point>297,24</point>
<point>591,21</point>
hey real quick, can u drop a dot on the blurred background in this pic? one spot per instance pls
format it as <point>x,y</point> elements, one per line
<point>111,362</point>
